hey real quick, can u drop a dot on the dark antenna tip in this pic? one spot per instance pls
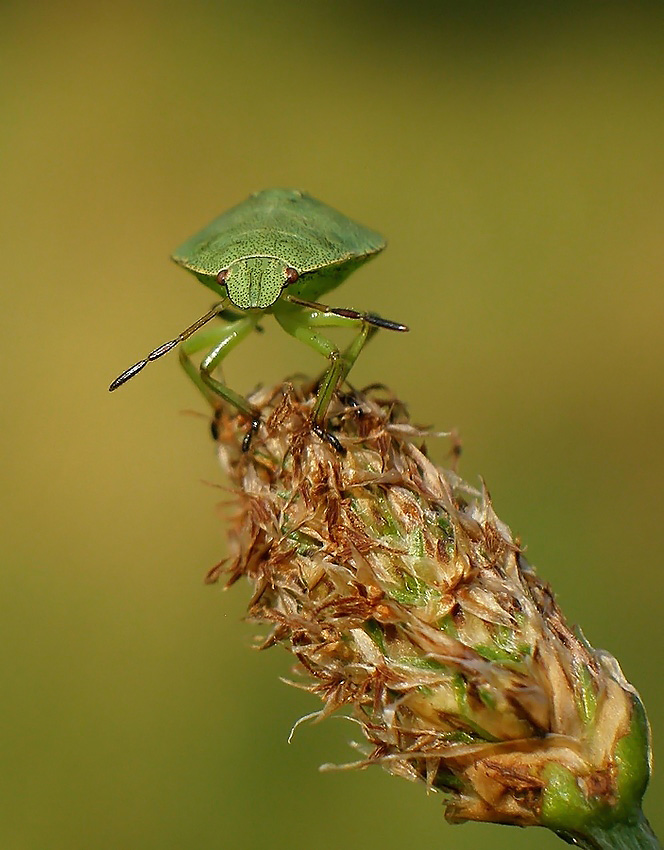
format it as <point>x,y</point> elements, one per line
<point>127,374</point>
<point>379,322</point>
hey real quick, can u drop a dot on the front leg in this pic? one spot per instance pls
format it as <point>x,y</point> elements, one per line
<point>322,316</point>
<point>223,340</point>
<point>301,324</point>
<point>298,324</point>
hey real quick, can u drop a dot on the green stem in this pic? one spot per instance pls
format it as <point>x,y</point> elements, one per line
<point>633,835</point>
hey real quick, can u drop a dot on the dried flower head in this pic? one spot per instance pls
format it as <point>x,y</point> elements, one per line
<point>405,599</point>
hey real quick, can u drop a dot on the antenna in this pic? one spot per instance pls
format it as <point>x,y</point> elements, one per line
<point>167,346</point>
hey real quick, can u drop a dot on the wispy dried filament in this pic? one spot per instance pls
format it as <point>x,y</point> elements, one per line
<point>406,599</point>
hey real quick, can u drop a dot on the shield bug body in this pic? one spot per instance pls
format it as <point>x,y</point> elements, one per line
<point>275,253</point>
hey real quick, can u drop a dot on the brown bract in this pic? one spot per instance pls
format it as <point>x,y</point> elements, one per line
<point>406,600</point>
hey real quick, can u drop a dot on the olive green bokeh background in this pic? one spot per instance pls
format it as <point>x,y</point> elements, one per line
<point>513,154</point>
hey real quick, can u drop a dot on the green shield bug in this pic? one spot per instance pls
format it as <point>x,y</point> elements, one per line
<point>277,252</point>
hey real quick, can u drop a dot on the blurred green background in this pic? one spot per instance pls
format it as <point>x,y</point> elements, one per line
<point>513,154</point>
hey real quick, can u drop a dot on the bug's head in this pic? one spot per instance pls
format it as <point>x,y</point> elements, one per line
<point>256,282</point>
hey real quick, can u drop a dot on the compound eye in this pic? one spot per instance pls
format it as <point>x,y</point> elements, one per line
<point>221,277</point>
<point>291,275</point>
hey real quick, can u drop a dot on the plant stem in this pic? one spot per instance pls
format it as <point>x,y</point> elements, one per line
<point>632,835</point>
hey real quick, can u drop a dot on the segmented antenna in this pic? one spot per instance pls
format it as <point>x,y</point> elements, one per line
<point>369,318</point>
<point>165,347</point>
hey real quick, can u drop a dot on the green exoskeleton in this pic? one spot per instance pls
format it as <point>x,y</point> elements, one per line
<point>277,252</point>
